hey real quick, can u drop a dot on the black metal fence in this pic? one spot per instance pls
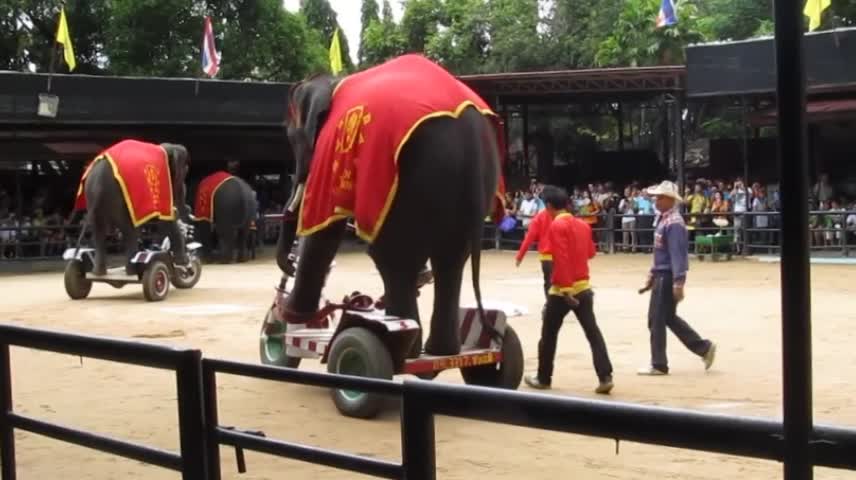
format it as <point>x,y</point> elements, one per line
<point>185,362</point>
<point>201,434</point>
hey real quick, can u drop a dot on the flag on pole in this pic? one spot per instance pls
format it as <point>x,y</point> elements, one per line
<point>667,17</point>
<point>335,54</point>
<point>210,57</point>
<point>63,37</point>
<point>813,10</point>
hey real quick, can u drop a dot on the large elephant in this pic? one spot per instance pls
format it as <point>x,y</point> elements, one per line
<point>403,146</point>
<point>226,206</point>
<point>130,184</point>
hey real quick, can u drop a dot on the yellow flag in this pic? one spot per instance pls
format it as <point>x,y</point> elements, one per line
<point>335,54</point>
<point>64,38</point>
<point>813,9</point>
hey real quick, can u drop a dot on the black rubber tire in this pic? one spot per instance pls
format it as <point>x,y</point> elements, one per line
<point>183,283</point>
<point>271,351</point>
<point>363,346</point>
<point>76,285</point>
<point>156,280</point>
<point>506,374</point>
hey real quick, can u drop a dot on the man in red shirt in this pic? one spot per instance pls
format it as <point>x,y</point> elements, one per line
<point>571,246</point>
<point>538,233</point>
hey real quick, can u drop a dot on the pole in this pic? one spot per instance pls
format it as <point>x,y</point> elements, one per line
<point>795,273</point>
<point>745,144</point>
<point>7,434</point>
<point>191,417</point>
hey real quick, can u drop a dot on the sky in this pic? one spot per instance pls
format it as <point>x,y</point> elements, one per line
<point>348,15</point>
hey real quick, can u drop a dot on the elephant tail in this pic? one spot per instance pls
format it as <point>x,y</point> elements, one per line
<point>484,193</point>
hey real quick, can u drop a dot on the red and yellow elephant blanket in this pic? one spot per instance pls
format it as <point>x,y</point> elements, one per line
<point>203,207</point>
<point>354,169</point>
<point>142,170</point>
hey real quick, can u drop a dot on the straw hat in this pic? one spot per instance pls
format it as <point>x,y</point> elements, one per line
<point>666,189</point>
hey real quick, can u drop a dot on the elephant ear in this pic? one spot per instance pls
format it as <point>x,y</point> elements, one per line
<point>310,105</point>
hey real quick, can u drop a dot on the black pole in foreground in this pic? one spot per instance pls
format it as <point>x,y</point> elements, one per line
<point>795,274</point>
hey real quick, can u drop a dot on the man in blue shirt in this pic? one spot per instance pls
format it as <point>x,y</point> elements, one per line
<point>666,282</point>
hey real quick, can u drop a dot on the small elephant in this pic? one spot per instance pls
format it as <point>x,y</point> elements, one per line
<point>413,155</point>
<point>128,185</point>
<point>226,207</point>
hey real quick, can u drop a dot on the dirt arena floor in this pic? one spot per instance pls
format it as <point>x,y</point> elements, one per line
<point>736,304</point>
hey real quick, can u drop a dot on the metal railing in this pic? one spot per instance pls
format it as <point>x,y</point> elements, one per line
<point>219,435</point>
<point>611,235</point>
<point>185,362</point>
<point>201,434</point>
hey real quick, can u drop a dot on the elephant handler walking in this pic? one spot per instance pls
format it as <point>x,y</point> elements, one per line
<point>571,246</point>
<point>666,282</point>
<point>538,233</point>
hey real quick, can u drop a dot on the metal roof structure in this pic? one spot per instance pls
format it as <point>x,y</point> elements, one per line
<point>747,67</point>
<point>601,82</point>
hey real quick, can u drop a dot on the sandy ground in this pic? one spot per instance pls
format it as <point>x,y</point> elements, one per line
<point>736,304</point>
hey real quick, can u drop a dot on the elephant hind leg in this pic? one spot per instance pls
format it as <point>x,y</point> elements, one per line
<point>131,238</point>
<point>99,236</point>
<point>242,245</point>
<point>444,338</point>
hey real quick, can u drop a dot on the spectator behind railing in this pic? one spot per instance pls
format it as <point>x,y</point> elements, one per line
<point>627,208</point>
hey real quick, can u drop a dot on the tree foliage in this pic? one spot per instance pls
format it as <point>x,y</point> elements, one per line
<point>321,17</point>
<point>260,40</point>
<point>368,14</point>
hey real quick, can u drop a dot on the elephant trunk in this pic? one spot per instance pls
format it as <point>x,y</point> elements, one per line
<point>288,231</point>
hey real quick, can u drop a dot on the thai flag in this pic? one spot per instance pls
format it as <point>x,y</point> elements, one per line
<point>210,57</point>
<point>667,16</point>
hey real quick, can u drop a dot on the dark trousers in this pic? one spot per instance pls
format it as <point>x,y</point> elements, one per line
<point>554,315</point>
<point>662,313</point>
<point>547,270</point>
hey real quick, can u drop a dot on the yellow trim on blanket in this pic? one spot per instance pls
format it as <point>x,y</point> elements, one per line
<point>139,221</point>
<point>577,287</point>
<point>210,217</point>
<point>545,257</point>
<point>340,213</point>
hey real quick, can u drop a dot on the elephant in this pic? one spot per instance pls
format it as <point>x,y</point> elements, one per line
<point>226,206</point>
<point>448,171</point>
<point>108,204</point>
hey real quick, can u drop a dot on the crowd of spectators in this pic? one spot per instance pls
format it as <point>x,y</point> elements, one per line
<point>710,205</point>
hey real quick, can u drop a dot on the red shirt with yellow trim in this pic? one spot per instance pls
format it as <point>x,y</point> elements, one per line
<point>572,246</point>
<point>373,113</point>
<point>537,233</point>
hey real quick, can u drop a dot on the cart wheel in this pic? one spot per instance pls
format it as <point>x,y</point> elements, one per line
<point>357,351</point>
<point>506,374</point>
<point>77,286</point>
<point>156,281</point>
<point>271,346</point>
<point>189,279</point>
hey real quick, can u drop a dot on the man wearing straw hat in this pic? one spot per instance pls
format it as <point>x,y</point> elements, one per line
<point>666,282</point>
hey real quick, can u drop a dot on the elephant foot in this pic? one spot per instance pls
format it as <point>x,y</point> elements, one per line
<point>442,347</point>
<point>130,269</point>
<point>99,271</point>
<point>416,347</point>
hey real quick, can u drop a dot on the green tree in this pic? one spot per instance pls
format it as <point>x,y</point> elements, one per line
<point>368,14</point>
<point>462,46</point>
<point>575,30</point>
<point>382,41</point>
<point>419,23</point>
<point>252,34</point>
<point>515,43</point>
<point>153,38</point>
<point>28,32</point>
<point>635,40</point>
<point>321,16</point>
